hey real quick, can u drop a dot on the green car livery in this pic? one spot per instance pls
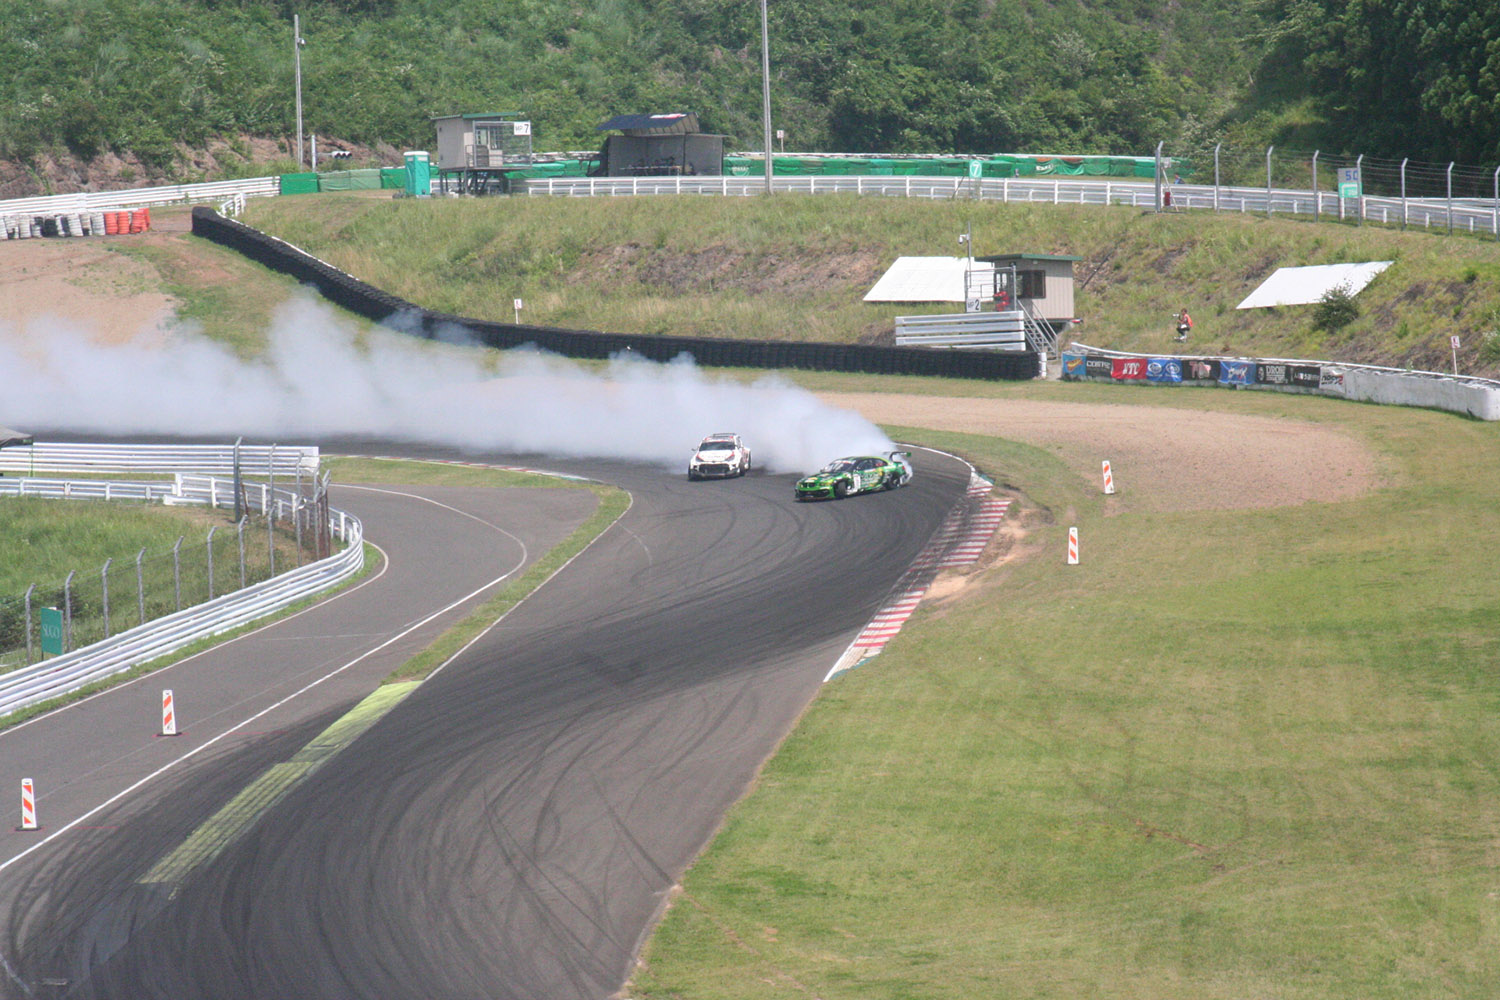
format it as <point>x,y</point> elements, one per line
<point>859,474</point>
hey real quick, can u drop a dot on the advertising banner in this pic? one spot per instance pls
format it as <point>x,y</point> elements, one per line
<point>1307,376</point>
<point>1273,373</point>
<point>1099,367</point>
<point>1128,368</point>
<point>1236,372</point>
<point>1164,370</point>
<point>1331,380</point>
<point>1073,365</point>
<point>1200,370</point>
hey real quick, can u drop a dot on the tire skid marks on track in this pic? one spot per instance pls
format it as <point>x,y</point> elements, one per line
<point>959,541</point>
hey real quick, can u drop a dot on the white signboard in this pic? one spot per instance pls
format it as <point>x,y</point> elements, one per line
<point>1295,286</point>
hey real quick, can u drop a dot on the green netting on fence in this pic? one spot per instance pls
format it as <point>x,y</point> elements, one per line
<point>299,183</point>
<point>392,177</point>
<point>350,180</point>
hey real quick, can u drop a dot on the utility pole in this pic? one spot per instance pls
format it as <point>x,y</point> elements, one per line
<point>297,42</point>
<point>765,87</point>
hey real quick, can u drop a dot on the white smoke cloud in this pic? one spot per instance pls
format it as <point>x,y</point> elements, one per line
<point>316,380</point>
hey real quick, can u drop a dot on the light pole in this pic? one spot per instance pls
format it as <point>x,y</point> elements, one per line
<point>297,42</point>
<point>765,88</point>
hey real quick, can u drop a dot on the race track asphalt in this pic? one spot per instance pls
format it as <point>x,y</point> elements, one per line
<point>509,829</point>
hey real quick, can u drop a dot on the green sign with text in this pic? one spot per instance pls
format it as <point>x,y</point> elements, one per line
<point>52,631</point>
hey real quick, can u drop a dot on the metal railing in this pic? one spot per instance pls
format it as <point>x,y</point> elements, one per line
<point>52,456</point>
<point>173,194</point>
<point>1004,331</point>
<point>1467,215</point>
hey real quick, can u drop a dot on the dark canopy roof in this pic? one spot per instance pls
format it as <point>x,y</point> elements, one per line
<point>9,437</point>
<point>676,123</point>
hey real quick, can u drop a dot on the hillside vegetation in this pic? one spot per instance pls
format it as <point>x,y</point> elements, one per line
<point>157,83</point>
<point>797,268</point>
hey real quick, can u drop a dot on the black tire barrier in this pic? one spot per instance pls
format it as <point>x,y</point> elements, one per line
<point>381,307</point>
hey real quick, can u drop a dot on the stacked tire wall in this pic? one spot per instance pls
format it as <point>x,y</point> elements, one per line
<point>373,304</point>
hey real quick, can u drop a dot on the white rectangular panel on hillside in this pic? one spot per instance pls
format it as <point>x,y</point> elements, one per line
<point>924,279</point>
<point>1296,286</point>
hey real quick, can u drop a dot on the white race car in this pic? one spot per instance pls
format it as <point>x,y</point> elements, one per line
<point>719,457</point>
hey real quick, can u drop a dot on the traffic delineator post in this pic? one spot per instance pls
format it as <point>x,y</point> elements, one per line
<point>1109,480</point>
<point>1072,546</point>
<point>28,804</point>
<point>168,714</point>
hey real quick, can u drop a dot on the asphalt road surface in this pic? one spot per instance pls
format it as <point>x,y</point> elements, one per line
<point>511,827</point>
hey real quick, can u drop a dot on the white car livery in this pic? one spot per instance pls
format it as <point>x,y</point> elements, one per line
<point>719,457</point>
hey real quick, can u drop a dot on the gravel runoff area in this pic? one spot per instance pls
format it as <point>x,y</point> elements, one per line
<point>1161,457</point>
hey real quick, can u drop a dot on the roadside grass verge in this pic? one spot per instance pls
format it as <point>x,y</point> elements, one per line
<point>796,267</point>
<point>1230,755</point>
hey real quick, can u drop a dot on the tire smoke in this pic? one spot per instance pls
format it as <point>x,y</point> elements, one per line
<point>320,378</point>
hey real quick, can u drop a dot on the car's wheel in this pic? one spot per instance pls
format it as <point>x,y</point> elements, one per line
<point>841,489</point>
<point>890,482</point>
<point>692,477</point>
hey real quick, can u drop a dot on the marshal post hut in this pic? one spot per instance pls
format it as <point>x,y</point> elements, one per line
<point>476,154</point>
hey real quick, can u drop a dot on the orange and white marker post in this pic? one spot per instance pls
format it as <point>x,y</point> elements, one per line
<point>1072,546</point>
<point>168,714</point>
<point>28,804</point>
<point>1109,480</point>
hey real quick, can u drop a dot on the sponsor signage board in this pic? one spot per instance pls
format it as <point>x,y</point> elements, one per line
<point>1128,368</point>
<point>1273,373</point>
<point>1307,375</point>
<point>1073,365</point>
<point>1236,372</point>
<point>1098,367</point>
<point>1164,370</point>
<point>1200,370</point>
<point>1331,380</point>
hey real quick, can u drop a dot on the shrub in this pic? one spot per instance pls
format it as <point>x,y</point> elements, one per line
<point>1335,310</point>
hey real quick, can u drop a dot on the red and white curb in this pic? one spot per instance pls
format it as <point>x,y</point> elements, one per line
<point>959,541</point>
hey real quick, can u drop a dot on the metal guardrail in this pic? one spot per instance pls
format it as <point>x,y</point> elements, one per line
<point>255,460</point>
<point>1466,215</point>
<point>1005,331</point>
<point>70,671</point>
<point>174,194</point>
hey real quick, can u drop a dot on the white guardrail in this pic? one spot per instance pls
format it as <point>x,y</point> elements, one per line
<point>1467,215</point>
<point>1004,331</point>
<point>174,194</point>
<point>214,459</point>
<point>70,671</point>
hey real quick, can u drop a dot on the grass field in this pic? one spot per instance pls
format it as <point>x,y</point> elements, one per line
<point>1227,756</point>
<point>797,268</point>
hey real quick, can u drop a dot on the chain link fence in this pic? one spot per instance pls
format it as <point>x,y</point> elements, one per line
<point>279,529</point>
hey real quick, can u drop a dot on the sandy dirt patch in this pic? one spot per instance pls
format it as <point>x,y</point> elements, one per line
<point>1161,458</point>
<point>82,283</point>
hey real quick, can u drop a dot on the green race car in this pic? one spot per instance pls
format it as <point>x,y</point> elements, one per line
<point>859,474</point>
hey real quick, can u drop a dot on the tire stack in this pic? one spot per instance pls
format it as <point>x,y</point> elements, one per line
<point>21,227</point>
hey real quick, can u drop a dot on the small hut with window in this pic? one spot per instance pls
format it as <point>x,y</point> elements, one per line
<point>477,153</point>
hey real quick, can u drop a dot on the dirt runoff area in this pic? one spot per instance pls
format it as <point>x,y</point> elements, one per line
<point>1162,457</point>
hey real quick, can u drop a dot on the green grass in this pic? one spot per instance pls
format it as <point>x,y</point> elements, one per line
<point>1227,756</point>
<point>42,540</point>
<point>796,268</point>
